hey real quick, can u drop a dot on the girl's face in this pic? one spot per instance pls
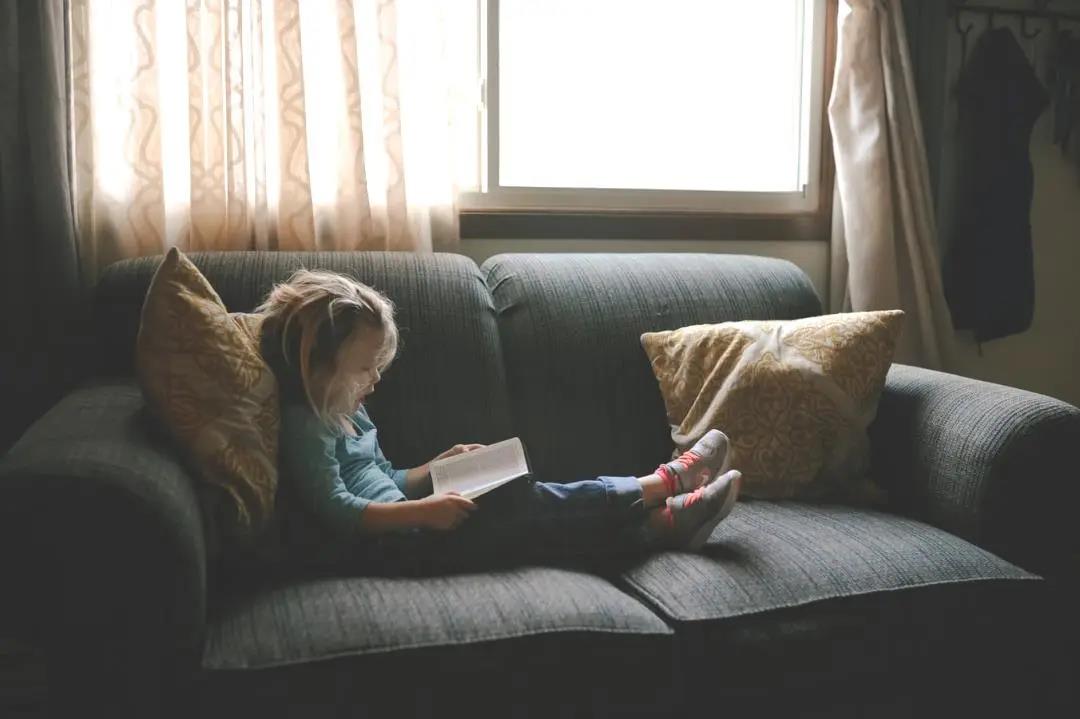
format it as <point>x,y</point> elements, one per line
<point>356,373</point>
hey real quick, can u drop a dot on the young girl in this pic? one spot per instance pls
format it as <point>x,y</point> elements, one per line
<point>328,339</point>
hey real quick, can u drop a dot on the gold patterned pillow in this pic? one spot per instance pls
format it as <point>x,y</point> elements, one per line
<point>204,377</point>
<point>794,397</point>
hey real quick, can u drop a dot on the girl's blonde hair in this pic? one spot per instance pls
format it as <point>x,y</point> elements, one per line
<point>308,318</point>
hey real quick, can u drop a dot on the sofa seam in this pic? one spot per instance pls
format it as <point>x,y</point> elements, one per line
<point>672,615</point>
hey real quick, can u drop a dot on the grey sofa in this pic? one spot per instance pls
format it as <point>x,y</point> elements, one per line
<point>949,601</point>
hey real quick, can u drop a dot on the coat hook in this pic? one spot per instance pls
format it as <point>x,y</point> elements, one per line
<point>1030,36</point>
<point>1024,30</point>
<point>963,32</point>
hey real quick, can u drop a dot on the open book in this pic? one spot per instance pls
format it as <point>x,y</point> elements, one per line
<point>471,474</point>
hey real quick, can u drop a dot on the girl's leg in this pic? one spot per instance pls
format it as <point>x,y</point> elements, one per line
<point>654,491</point>
<point>522,521</point>
<point>536,521</point>
<point>635,515</point>
<point>526,520</point>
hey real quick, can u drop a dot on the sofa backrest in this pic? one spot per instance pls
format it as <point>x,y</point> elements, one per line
<point>547,349</point>
<point>446,386</point>
<point>583,395</point>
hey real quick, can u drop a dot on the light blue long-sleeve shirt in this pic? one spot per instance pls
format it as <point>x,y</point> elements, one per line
<point>335,476</point>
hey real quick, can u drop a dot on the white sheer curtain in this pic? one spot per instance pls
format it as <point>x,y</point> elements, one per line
<point>270,124</point>
<point>884,240</point>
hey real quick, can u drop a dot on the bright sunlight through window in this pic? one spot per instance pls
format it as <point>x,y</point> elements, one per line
<point>656,95</point>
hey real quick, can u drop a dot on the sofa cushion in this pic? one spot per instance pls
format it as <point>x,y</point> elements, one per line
<point>305,620</point>
<point>376,637</point>
<point>799,595</point>
<point>583,394</point>
<point>769,555</point>
<point>447,384</point>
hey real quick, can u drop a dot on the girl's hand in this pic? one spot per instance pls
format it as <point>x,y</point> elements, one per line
<point>444,511</point>
<point>418,479</point>
<point>458,449</point>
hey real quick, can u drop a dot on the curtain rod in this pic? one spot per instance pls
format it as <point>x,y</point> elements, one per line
<point>1033,13</point>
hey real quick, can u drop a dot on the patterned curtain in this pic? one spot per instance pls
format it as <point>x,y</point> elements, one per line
<point>269,124</point>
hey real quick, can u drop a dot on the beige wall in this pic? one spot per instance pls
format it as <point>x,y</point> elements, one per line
<point>812,257</point>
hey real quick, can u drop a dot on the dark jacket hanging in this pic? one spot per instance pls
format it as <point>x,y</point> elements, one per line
<point>989,273</point>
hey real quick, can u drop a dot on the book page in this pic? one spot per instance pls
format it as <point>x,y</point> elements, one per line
<point>481,470</point>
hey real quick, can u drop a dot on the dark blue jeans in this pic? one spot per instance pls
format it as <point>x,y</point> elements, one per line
<point>522,521</point>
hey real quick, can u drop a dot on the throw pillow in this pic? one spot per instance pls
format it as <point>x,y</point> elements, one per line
<point>204,378</point>
<point>794,397</point>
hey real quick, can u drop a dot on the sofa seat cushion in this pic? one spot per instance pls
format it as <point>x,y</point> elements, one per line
<point>374,642</point>
<point>769,555</point>
<point>800,595</point>
<point>320,618</point>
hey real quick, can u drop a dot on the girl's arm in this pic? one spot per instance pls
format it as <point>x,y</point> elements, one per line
<point>399,476</point>
<point>418,481</point>
<point>308,459</point>
<point>388,516</point>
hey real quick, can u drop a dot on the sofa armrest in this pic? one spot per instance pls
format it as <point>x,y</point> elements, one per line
<point>993,464</point>
<point>102,528</point>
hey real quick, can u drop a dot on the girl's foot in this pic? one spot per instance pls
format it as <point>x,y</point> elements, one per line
<point>690,518</point>
<point>698,466</point>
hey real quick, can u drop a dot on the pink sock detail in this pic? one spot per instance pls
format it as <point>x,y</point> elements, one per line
<point>664,473</point>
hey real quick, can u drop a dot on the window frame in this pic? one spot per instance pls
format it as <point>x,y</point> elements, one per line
<point>814,199</point>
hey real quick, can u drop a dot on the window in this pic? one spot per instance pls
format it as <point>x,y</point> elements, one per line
<point>651,105</point>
